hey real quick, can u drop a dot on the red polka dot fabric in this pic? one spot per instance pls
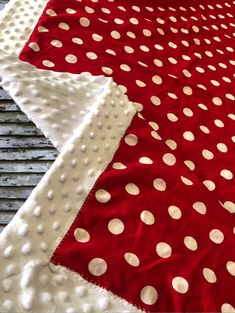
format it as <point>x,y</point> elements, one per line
<point>158,228</point>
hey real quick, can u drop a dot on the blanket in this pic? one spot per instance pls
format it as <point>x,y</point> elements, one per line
<point>137,212</point>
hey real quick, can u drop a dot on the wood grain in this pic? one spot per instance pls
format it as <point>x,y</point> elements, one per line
<point>25,155</point>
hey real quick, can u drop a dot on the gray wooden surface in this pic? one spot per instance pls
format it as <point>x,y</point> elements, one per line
<point>25,155</point>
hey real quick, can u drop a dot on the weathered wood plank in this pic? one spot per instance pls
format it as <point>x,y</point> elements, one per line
<point>15,192</point>
<point>24,166</point>
<point>24,142</point>
<point>6,217</point>
<point>28,154</point>
<point>11,204</point>
<point>2,227</point>
<point>19,179</point>
<point>19,130</point>
<point>8,105</point>
<point>13,117</point>
<point>4,95</point>
<point>2,4</point>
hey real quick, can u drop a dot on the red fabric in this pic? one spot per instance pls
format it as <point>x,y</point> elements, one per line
<point>184,63</point>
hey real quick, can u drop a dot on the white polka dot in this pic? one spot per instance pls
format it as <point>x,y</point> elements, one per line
<point>34,46</point>
<point>208,155</point>
<point>202,106</point>
<point>229,206</point>
<point>163,250</point>
<point>105,10</point>
<point>226,174</point>
<point>174,212</point>
<point>81,235</point>
<point>134,21</point>
<point>187,90</point>
<point>102,196</point>
<point>147,32</point>
<point>118,166</point>
<point>232,116</point>
<point>190,165</point>
<point>84,22</point>
<point>216,236</point>
<point>145,160</point>
<point>159,184</point>
<point>172,117</point>
<point>227,308</point>
<point>107,70</point>
<point>70,11</point>
<point>97,266</point>
<point>125,67</point>
<point>128,49</point>
<point>190,243</point>
<point>140,83</point>
<point>209,185</point>
<point>118,21</point>
<point>169,159</point>
<point>222,147</point>
<point>154,125</point>
<point>155,135</point>
<point>144,48</point>
<point>148,295</point>
<point>188,112</point>
<point>180,284</point>
<point>186,181</point>
<point>91,55</point>
<point>155,100</point>
<point>132,259</point>
<point>115,34</point>
<point>200,207</point>
<point>157,79</point>
<point>187,73</point>
<point>217,101</point>
<point>147,217</point>
<point>97,37</point>
<point>158,63</point>
<point>42,29</point>
<point>230,265</point>
<point>204,129</point>
<point>64,26</point>
<point>89,10</point>
<point>48,63</point>
<point>188,136</point>
<point>230,96</point>
<point>77,40</point>
<point>56,43</point>
<point>71,58</point>
<point>51,12</point>
<point>209,275</point>
<point>171,144</point>
<point>219,123</point>
<point>131,34</point>
<point>132,189</point>
<point>131,140</point>
<point>116,226</point>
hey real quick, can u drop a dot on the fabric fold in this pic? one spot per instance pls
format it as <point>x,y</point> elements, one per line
<point>85,117</point>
